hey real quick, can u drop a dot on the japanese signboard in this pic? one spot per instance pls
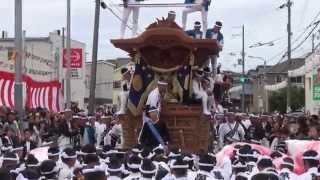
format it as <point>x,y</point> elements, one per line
<point>75,58</point>
<point>316,86</point>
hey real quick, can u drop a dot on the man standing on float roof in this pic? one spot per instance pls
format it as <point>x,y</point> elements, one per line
<point>127,10</point>
<point>202,6</point>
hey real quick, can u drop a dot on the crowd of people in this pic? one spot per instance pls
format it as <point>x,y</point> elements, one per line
<point>81,146</point>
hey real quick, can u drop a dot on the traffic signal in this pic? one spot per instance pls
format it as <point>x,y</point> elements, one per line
<point>244,80</point>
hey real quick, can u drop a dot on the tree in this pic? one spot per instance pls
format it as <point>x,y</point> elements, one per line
<point>278,101</point>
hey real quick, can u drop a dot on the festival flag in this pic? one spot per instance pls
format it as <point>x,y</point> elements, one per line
<point>142,83</point>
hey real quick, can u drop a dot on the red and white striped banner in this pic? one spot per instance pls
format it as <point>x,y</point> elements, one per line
<point>35,94</point>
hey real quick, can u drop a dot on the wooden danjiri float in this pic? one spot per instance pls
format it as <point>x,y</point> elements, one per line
<point>165,51</point>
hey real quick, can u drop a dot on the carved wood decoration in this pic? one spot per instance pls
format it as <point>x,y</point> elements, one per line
<point>165,45</point>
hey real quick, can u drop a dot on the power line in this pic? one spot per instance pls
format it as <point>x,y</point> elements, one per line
<point>116,15</point>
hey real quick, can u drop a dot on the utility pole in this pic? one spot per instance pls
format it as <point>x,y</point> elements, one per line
<point>18,86</point>
<point>264,84</point>
<point>68,81</point>
<point>313,44</point>
<point>243,72</point>
<point>63,46</point>
<point>94,58</point>
<point>289,4</point>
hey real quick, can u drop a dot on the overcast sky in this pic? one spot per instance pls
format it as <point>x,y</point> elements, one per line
<point>262,20</point>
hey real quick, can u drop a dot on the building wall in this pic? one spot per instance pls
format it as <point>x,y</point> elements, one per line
<point>37,49</point>
<point>312,65</point>
<point>104,82</point>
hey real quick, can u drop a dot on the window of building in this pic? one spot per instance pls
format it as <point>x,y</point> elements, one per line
<point>293,79</point>
<point>299,79</point>
<point>278,79</point>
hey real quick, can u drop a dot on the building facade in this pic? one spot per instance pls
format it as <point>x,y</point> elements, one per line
<point>272,75</point>
<point>312,83</point>
<point>104,82</point>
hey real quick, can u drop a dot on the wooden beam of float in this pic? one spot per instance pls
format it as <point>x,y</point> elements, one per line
<point>164,45</point>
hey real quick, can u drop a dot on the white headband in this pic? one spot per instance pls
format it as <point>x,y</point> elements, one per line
<point>205,164</point>
<point>162,82</point>
<point>186,158</point>
<point>147,171</point>
<point>110,152</point>
<point>6,148</point>
<point>136,150</point>
<point>94,169</point>
<point>66,156</point>
<point>211,154</point>
<point>115,170</point>
<point>287,163</point>
<point>160,147</point>
<point>84,153</point>
<point>107,160</point>
<point>239,165</point>
<point>174,166</point>
<point>243,155</point>
<point>54,170</point>
<point>33,165</point>
<point>268,172</point>
<point>310,157</point>
<point>171,154</point>
<point>150,155</point>
<point>133,166</point>
<point>11,159</point>
<point>53,154</point>
<point>16,149</point>
<point>251,163</point>
<point>242,174</point>
<point>153,110</point>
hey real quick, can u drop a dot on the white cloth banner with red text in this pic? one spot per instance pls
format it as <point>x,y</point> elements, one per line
<point>35,94</point>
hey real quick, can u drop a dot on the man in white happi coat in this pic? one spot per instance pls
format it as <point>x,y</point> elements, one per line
<point>114,136</point>
<point>311,162</point>
<point>200,92</point>
<point>68,157</point>
<point>202,6</point>
<point>231,131</point>
<point>127,10</point>
<point>210,86</point>
<point>125,86</point>
<point>156,96</point>
<point>66,130</point>
<point>286,172</point>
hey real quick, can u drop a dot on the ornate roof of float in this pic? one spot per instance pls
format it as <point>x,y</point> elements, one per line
<point>165,45</point>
